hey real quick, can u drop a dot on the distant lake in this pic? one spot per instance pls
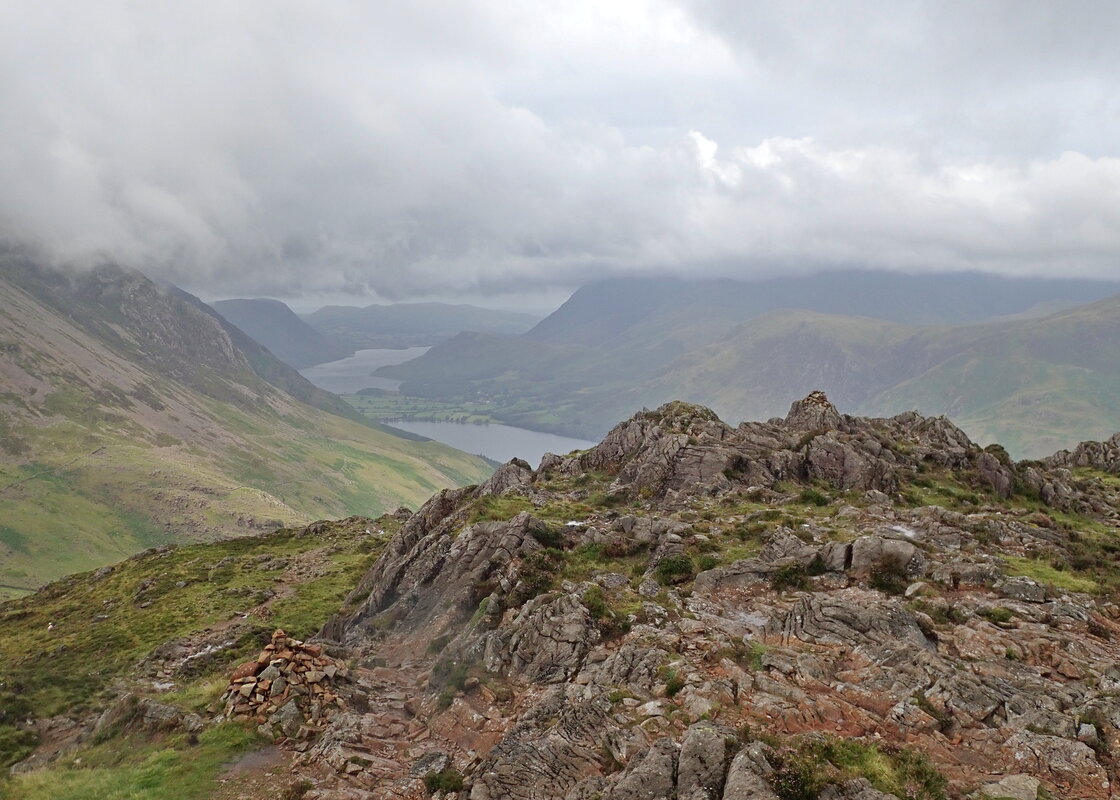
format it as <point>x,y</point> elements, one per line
<point>499,442</point>
<point>352,374</point>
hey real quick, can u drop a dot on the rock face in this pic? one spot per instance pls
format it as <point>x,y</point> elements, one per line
<point>289,689</point>
<point>691,611</point>
<point>681,449</point>
<point>1098,455</point>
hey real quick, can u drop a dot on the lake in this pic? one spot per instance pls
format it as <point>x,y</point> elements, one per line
<point>352,374</point>
<point>499,442</point>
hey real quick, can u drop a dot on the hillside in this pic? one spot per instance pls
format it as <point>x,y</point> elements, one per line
<point>277,328</point>
<point>821,607</point>
<point>1034,385</point>
<point>411,324</point>
<point>132,416</point>
<point>652,308</point>
<point>1024,379</point>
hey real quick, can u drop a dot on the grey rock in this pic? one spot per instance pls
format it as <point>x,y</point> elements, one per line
<point>1023,589</point>
<point>611,580</point>
<point>631,666</point>
<point>870,553</point>
<point>545,643</point>
<point>858,789</point>
<point>813,413</point>
<point>1087,733</point>
<point>592,788</point>
<point>651,777</point>
<point>430,762</point>
<point>915,589</point>
<point>554,746</point>
<point>851,617</point>
<point>1098,455</point>
<point>287,719</point>
<point>702,763</point>
<point>143,715</point>
<point>836,556</point>
<point>1013,787</point>
<point>269,673</point>
<point>744,782</point>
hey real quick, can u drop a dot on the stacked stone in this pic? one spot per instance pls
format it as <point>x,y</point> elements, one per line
<point>288,689</point>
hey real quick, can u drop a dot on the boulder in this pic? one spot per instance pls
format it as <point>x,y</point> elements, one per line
<point>1013,787</point>
<point>650,777</point>
<point>702,763</point>
<point>744,782</point>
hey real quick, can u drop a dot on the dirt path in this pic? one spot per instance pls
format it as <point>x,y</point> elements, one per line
<point>258,775</point>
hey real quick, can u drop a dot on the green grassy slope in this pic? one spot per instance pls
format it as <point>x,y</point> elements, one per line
<point>72,646</point>
<point>747,349</point>
<point>104,452</point>
<point>1035,387</point>
<point>1035,384</point>
<point>754,371</point>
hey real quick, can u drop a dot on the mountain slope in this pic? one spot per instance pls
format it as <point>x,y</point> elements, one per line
<point>626,343</point>
<point>819,607</point>
<point>1034,385</point>
<point>411,324</point>
<point>277,328</point>
<point>130,417</point>
<point>620,309</point>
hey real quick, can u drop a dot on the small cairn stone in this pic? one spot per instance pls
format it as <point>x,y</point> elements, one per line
<point>289,689</point>
<point>814,413</point>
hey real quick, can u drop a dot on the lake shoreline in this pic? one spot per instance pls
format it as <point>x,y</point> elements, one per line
<point>469,426</point>
<point>494,440</point>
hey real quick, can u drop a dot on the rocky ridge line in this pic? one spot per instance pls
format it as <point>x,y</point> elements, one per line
<point>737,610</point>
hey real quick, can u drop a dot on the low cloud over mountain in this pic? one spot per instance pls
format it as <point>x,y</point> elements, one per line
<point>288,148</point>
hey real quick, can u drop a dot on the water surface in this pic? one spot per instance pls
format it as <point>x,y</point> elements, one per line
<point>352,374</point>
<point>499,442</point>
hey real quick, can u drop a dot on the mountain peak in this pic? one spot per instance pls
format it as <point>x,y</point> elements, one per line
<point>813,413</point>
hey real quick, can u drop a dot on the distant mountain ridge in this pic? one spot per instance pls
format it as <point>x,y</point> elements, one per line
<point>624,306</point>
<point>412,324</point>
<point>133,415</point>
<point>285,335</point>
<point>743,347</point>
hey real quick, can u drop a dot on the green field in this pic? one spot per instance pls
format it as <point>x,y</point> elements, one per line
<point>392,407</point>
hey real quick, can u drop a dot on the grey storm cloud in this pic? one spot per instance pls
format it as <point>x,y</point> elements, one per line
<point>287,148</point>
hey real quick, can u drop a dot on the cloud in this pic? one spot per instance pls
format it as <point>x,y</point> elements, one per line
<point>287,148</point>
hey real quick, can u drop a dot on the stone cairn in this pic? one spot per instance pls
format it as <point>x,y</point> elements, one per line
<point>288,689</point>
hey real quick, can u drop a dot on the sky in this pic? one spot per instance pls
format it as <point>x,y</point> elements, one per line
<point>511,151</point>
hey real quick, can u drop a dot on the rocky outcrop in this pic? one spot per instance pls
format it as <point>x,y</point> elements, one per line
<point>684,587</point>
<point>545,643</point>
<point>814,413</point>
<point>433,573</point>
<point>554,747</point>
<point>1098,455</point>
<point>703,762</point>
<point>682,449</point>
<point>137,714</point>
